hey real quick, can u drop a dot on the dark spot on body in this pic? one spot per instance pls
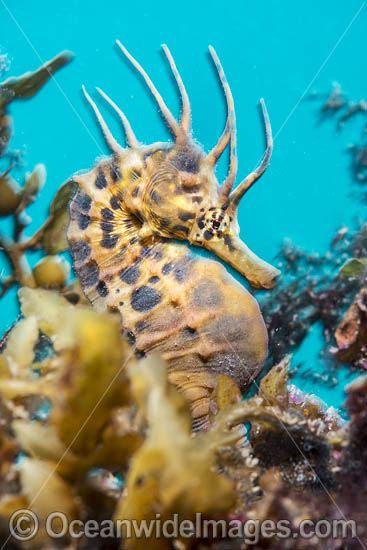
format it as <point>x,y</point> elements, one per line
<point>206,295</point>
<point>180,229</point>
<point>186,160</point>
<point>130,338</point>
<point>191,188</point>
<point>117,290</point>
<point>155,197</point>
<point>158,255</point>
<point>153,280</point>
<point>141,326</point>
<point>107,214</point>
<point>145,298</point>
<point>101,181</point>
<point>180,271</point>
<point>115,204</point>
<point>107,227</point>
<point>83,201</point>
<point>228,328</point>
<point>208,235</point>
<point>201,224</point>
<point>189,333</point>
<point>197,199</point>
<point>130,275</point>
<point>102,289</point>
<point>164,223</point>
<point>121,303</point>
<point>135,192</point>
<point>88,274</point>
<point>185,216</point>
<point>139,354</point>
<point>109,241</point>
<point>167,268</point>
<point>135,174</point>
<point>83,220</point>
<point>228,241</point>
<point>115,171</point>
<point>146,251</point>
<point>80,250</point>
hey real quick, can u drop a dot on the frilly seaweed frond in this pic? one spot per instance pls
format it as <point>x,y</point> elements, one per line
<point>172,473</point>
<point>84,380</point>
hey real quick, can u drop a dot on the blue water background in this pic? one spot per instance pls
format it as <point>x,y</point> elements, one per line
<point>269,49</point>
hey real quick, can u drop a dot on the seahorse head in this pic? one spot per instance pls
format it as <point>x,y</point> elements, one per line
<point>173,191</point>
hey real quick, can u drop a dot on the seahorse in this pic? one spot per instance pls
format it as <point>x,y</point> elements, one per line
<point>131,221</point>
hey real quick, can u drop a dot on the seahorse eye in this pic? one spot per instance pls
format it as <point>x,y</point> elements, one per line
<point>216,221</point>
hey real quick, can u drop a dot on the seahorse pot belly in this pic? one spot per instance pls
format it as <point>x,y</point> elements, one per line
<point>126,218</point>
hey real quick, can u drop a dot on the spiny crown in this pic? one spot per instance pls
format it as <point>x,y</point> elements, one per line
<point>176,193</point>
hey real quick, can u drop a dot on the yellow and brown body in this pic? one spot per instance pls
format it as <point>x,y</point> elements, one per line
<point>127,219</point>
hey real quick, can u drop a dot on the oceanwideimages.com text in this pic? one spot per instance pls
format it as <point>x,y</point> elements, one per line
<point>25,524</point>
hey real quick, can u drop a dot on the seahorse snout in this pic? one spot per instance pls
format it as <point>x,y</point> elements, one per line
<point>235,253</point>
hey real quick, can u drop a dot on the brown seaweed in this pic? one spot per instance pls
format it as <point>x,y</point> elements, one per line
<point>338,106</point>
<point>14,198</point>
<point>316,289</point>
<point>29,84</point>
